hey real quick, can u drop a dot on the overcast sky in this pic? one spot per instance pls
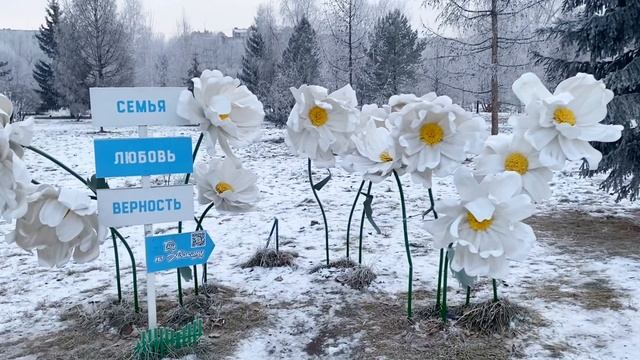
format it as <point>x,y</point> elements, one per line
<point>214,15</point>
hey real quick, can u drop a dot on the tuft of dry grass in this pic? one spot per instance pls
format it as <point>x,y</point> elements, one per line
<point>494,317</point>
<point>106,316</point>
<point>336,264</point>
<point>269,258</point>
<point>359,277</point>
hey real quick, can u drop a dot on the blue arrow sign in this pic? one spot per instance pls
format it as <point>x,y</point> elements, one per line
<point>142,156</point>
<point>178,250</point>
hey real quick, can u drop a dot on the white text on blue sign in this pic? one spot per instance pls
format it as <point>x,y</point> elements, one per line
<point>142,156</point>
<point>139,206</point>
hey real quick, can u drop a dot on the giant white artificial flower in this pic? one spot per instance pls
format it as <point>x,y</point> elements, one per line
<point>228,186</point>
<point>14,181</point>
<point>19,133</point>
<point>377,153</point>
<point>59,224</point>
<point>435,136</point>
<point>485,227</point>
<point>513,153</point>
<point>560,125</point>
<point>321,124</point>
<point>227,112</point>
<point>397,102</point>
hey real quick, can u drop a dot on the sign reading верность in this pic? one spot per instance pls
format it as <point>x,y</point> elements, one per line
<point>142,156</point>
<point>139,206</point>
<point>126,107</point>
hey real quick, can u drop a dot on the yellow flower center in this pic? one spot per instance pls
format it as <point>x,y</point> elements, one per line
<point>222,187</point>
<point>564,115</point>
<point>431,134</point>
<point>385,157</point>
<point>318,116</point>
<point>476,225</point>
<point>224,117</point>
<point>516,162</point>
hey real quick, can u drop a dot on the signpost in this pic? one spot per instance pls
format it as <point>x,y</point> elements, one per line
<point>143,156</point>
<point>142,107</point>
<point>178,250</point>
<point>128,107</point>
<point>146,205</point>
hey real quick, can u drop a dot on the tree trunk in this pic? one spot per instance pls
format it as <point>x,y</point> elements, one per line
<point>495,101</point>
<point>350,42</point>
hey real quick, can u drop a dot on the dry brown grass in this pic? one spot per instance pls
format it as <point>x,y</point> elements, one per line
<point>110,330</point>
<point>336,264</point>
<point>269,258</point>
<point>358,278</point>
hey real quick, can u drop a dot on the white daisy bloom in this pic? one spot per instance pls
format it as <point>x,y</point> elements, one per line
<point>377,153</point>
<point>373,112</point>
<point>397,102</point>
<point>560,125</point>
<point>321,124</point>
<point>229,113</point>
<point>19,133</point>
<point>434,137</point>
<point>486,224</point>
<point>513,153</point>
<point>59,224</point>
<point>228,186</point>
<point>14,181</point>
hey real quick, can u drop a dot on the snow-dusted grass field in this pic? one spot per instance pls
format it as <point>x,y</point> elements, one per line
<point>582,280</point>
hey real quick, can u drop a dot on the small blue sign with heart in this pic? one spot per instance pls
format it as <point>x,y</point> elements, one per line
<point>168,252</point>
<point>142,156</point>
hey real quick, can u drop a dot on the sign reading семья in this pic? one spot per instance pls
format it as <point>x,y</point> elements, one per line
<point>123,107</point>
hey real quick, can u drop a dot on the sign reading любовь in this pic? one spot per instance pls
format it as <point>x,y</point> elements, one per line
<point>178,250</point>
<point>125,107</point>
<point>142,156</point>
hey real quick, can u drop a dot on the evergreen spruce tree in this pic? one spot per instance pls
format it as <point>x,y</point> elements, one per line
<point>605,37</point>
<point>250,74</point>
<point>43,72</point>
<point>394,56</point>
<point>193,72</point>
<point>300,65</point>
<point>4,73</point>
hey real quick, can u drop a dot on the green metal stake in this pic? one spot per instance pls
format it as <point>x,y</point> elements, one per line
<point>362,227</point>
<point>353,208</point>
<point>495,290</point>
<point>443,309</point>
<point>324,216</point>
<point>179,288</point>
<point>438,290</point>
<point>468,296</point>
<point>115,252</point>
<point>133,269</point>
<point>406,244</point>
<point>195,278</point>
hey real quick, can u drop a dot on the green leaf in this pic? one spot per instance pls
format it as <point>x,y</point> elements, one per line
<point>368,211</point>
<point>186,273</point>
<point>322,183</point>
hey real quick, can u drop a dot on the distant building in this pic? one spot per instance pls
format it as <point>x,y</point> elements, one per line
<point>240,33</point>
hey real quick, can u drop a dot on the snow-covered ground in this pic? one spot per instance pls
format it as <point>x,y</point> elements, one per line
<point>557,280</point>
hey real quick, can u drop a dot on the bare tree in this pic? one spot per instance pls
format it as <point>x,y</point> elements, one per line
<point>493,35</point>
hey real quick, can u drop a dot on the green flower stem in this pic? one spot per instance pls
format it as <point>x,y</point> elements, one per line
<point>495,290</point>
<point>115,252</point>
<point>59,163</point>
<point>362,227</point>
<point>195,278</point>
<point>199,227</point>
<point>186,181</point>
<point>438,290</point>
<point>113,230</point>
<point>324,216</point>
<point>406,244</point>
<point>353,208</point>
<point>443,308</point>
<point>133,268</point>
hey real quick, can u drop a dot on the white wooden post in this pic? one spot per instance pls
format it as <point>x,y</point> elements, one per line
<point>148,231</point>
